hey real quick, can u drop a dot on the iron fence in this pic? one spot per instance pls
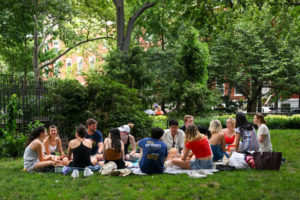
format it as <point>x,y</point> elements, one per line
<point>31,98</point>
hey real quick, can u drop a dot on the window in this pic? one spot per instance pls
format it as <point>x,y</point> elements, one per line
<point>237,93</point>
<point>56,45</point>
<point>80,64</point>
<point>92,61</point>
<point>221,88</point>
<point>68,65</point>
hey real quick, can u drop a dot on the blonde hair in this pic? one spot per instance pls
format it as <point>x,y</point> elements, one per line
<point>215,126</point>
<point>131,125</point>
<point>231,120</point>
<point>192,133</point>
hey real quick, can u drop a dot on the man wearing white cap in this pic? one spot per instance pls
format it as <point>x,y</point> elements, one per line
<point>128,139</point>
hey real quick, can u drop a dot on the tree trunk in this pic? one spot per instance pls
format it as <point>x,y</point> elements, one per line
<point>120,22</point>
<point>35,61</point>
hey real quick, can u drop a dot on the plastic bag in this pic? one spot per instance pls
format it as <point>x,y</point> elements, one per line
<point>237,160</point>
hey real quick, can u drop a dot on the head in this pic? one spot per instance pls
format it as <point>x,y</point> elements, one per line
<point>158,108</point>
<point>259,119</point>
<point>215,126</point>
<point>39,132</point>
<point>188,120</point>
<point>53,131</point>
<point>81,131</point>
<point>173,124</point>
<point>124,130</point>
<point>242,122</point>
<point>191,133</point>
<point>91,124</point>
<point>230,123</point>
<point>115,139</point>
<point>157,133</point>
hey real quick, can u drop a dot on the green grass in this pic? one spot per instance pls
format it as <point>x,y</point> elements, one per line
<point>238,184</point>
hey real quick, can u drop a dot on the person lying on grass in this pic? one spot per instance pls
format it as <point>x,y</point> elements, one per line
<point>52,143</point>
<point>153,152</point>
<point>199,145</point>
<point>34,157</point>
<point>80,148</point>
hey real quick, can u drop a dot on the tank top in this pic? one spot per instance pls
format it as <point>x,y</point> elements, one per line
<point>229,140</point>
<point>200,147</point>
<point>81,156</point>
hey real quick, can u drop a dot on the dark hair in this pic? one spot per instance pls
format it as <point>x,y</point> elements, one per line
<point>242,122</point>
<point>157,133</point>
<point>173,122</point>
<point>91,121</point>
<point>261,118</point>
<point>115,139</point>
<point>81,130</point>
<point>35,134</point>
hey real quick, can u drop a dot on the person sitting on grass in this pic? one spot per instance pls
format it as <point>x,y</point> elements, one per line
<point>245,130</point>
<point>34,157</point>
<point>199,145</point>
<point>263,133</point>
<point>189,120</point>
<point>53,142</point>
<point>217,140</point>
<point>173,137</point>
<point>114,148</point>
<point>127,140</point>
<point>81,148</point>
<point>153,152</point>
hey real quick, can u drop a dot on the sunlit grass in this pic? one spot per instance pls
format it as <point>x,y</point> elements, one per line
<point>239,184</point>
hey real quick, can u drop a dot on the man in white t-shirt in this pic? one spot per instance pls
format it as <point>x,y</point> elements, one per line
<point>174,137</point>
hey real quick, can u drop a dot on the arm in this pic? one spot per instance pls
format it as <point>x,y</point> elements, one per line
<point>40,152</point>
<point>133,146</point>
<point>60,147</point>
<point>69,152</point>
<point>46,146</point>
<point>237,141</point>
<point>185,153</point>
<point>100,147</point>
<point>261,138</point>
<point>122,149</point>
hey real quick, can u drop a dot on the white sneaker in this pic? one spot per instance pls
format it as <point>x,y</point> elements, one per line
<point>87,172</point>
<point>201,171</point>
<point>75,173</point>
<point>196,174</point>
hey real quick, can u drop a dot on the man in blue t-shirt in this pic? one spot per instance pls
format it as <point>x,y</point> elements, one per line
<point>154,152</point>
<point>97,139</point>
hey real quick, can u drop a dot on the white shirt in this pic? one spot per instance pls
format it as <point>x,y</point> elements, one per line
<point>266,146</point>
<point>178,139</point>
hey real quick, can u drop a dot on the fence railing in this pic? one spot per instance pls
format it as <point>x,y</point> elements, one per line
<point>31,98</point>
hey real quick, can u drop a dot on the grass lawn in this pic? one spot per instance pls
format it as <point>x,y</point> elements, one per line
<point>238,184</point>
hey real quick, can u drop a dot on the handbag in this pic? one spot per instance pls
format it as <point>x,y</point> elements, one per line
<point>267,160</point>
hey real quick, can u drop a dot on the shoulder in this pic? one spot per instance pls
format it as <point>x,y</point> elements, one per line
<point>180,132</point>
<point>97,132</point>
<point>45,140</point>
<point>57,139</point>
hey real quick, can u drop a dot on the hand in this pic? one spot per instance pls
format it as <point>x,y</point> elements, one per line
<point>127,156</point>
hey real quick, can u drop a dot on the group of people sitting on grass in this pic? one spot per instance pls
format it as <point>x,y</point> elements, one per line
<point>188,147</point>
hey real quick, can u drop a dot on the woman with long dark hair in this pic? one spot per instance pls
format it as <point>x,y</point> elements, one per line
<point>114,148</point>
<point>34,157</point>
<point>246,131</point>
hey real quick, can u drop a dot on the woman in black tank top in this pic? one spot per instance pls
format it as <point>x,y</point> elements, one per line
<point>82,152</point>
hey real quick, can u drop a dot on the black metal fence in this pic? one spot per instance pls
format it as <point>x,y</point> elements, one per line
<point>31,98</point>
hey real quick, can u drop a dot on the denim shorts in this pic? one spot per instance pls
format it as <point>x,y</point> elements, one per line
<point>201,164</point>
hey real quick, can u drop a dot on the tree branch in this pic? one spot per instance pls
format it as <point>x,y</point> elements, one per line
<point>69,49</point>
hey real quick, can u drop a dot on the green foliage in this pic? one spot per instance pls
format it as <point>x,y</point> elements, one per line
<point>68,102</point>
<point>33,125</point>
<point>11,144</point>
<point>113,104</point>
<point>129,68</point>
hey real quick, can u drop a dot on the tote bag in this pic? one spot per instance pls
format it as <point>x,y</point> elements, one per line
<point>267,160</point>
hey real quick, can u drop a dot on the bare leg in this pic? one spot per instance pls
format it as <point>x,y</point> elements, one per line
<point>181,163</point>
<point>43,164</point>
<point>66,161</point>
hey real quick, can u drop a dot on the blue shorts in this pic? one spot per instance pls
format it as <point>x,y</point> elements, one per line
<point>201,164</point>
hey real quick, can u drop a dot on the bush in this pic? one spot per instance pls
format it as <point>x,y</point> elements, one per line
<point>68,102</point>
<point>113,104</point>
